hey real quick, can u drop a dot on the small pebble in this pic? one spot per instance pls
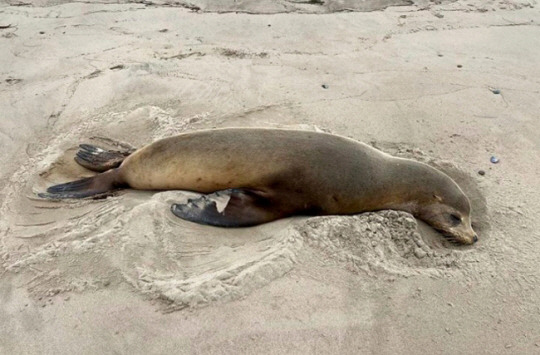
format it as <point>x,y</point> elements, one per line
<point>460,66</point>
<point>403,16</point>
<point>494,159</point>
<point>440,54</point>
<point>496,91</point>
<point>269,25</point>
<point>41,32</point>
<point>324,86</point>
<point>481,172</point>
<point>508,346</point>
<point>438,15</point>
<point>420,253</point>
<point>12,81</point>
<point>163,30</point>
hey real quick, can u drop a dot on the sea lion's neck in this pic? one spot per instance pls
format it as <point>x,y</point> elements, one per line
<point>409,185</point>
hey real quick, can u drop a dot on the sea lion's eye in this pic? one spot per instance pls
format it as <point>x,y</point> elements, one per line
<point>456,219</point>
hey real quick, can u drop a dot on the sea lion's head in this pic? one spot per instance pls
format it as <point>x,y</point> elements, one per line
<point>449,212</point>
<point>434,197</point>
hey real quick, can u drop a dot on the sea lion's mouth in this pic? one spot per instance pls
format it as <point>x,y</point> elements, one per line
<point>455,240</point>
<point>452,239</point>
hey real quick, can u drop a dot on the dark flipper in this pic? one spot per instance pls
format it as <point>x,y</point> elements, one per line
<point>98,159</point>
<point>229,208</point>
<point>95,185</point>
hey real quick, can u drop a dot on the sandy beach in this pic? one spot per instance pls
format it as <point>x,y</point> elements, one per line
<point>448,83</point>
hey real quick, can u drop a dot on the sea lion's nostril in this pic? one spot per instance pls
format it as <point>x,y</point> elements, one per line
<point>475,238</point>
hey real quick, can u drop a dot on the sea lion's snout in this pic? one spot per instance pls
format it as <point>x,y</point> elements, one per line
<point>459,238</point>
<point>470,233</point>
<point>467,241</point>
<point>468,236</point>
<point>462,235</point>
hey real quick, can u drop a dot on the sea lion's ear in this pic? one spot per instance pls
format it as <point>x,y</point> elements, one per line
<point>437,198</point>
<point>228,208</point>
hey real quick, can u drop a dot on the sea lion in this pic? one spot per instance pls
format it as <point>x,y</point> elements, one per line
<point>253,176</point>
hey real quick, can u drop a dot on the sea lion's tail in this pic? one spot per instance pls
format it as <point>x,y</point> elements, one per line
<point>91,186</point>
<point>98,159</point>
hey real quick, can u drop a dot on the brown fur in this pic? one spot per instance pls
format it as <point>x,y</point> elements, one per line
<point>306,172</point>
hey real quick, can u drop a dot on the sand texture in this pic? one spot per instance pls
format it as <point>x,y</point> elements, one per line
<point>448,83</point>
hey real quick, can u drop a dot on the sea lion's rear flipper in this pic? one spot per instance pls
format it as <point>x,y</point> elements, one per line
<point>98,159</point>
<point>92,186</point>
<point>229,208</point>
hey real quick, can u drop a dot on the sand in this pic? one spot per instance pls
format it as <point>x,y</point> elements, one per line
<point>447,83</point>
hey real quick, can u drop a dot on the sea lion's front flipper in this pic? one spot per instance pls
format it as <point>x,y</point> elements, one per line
<point>229,208</point>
